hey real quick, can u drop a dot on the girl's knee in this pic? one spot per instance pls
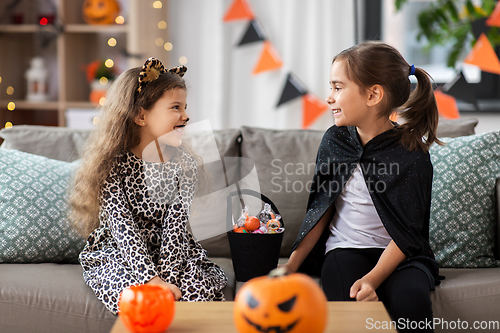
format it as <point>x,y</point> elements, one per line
<point>407,299</point>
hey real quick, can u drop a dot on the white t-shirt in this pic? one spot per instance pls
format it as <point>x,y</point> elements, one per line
<point>356,223</point>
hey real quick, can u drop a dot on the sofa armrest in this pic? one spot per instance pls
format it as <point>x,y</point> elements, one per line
<point>497,207</point>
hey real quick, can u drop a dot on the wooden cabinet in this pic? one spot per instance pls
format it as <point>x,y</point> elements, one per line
<point>67,46</point>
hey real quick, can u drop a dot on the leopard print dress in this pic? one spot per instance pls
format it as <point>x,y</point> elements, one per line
<point>143,232</point>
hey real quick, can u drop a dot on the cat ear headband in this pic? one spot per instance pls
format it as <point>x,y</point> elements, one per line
<point>152,69</point>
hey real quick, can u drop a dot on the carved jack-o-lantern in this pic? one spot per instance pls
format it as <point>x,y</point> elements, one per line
<point>280,303</point>
<point>146,308</point>
<point>100,11</point>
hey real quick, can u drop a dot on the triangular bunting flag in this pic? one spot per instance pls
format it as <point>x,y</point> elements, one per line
<point>483,55</point>
<point>239,10</point>
<point>293,89</point>
<point>479,27</point>
<point>253,34</point>
<point>312,109</point>
<point>460,89</point>
<point>269,59</point>
<point>494,19</point>
<point>394,116</point>
<point>447,105</point>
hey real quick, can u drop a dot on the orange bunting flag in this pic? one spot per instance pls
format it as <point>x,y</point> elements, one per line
<point>494,19</point>
<point>239,10</point>
<point>447,105</point>
<point>269,59</point>
<point>394,116</point>
<point>312,109</point>
<point>483,56</point>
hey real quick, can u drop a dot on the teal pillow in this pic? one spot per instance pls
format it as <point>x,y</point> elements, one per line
<point>33,209</point>
<point>463,224</point>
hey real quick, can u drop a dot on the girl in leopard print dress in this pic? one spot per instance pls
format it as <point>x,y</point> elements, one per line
<point>134,190</point>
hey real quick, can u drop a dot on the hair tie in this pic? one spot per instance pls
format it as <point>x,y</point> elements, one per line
<point>412,70</point>
<point>152,69</point>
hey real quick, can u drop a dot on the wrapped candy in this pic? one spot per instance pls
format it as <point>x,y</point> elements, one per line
<point>243,217</point>
<point>252,223</point>
<point>256,225</point>
<point>273,225</point>
<point>266,214</point>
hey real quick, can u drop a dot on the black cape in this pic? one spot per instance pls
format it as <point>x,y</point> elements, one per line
<point>399,182</point>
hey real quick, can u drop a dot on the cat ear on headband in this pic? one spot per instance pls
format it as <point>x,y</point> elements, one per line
<point>152,69</point>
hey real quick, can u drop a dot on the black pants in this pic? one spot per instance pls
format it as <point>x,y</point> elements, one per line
<point>405,293</point>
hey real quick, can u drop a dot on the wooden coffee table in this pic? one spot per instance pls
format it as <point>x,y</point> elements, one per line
<point>217,317</point>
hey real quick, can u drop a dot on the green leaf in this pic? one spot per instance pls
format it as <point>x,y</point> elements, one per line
<point>489,6</point>
<point>441,17</point>
<point>471,8</point>
<point>450,6</point>
<point>458,45</point>
<point>424,21</point>
<point>400,3</point>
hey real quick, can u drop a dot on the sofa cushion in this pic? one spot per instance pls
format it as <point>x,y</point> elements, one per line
<point>51,298</point>
<point>469,295</point>
<point>452,128</point>
<point>33,224</point>
<point>285,162</point>
<point>463,222</point>
<point>59,143</point>
<point>220,152</point>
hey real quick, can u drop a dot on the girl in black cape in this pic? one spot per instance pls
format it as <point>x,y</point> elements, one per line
<point>366,231</point>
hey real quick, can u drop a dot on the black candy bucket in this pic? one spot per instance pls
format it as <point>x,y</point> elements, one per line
<point>252,254</point>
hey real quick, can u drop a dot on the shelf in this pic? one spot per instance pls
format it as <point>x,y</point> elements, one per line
<point>26,105</point>
<point>80,105</point>
<point>27,28</point>
<point>67,46</point>
<point>69,28</point>
<point>49,105</point>
<point>88,28</point>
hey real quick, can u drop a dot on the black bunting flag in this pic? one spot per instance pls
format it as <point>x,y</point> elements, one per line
<point>293,89</point>
<point>253,34</point>
<point>461,89</point>
<point>479,27</point>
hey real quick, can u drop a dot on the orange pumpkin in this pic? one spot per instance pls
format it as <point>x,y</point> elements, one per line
<point>280,303</point>
<point>146,308</point>
<point>100,11</point>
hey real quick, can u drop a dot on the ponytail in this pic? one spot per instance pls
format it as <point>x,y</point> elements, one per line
<point>421,115</point>
<point>371,63</point>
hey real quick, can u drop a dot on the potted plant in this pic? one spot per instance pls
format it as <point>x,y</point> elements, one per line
<point>99,73</point>
<point>445,21</point>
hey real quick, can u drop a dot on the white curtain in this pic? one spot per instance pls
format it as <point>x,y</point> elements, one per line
<point>307,34</point>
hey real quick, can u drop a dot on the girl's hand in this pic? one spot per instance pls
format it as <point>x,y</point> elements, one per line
<point>173,288</point>
<point>287,268</point>
<point>363,290</point>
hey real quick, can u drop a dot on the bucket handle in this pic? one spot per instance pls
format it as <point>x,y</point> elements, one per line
<point>251,193</point>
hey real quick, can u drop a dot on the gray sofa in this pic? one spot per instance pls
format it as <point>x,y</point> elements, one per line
<point>52,297</point>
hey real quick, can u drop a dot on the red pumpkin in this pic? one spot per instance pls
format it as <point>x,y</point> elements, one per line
<point>100,11</point>
<point>280,303</point>
<point>146,308</point>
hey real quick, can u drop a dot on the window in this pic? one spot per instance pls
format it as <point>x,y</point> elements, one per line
<point>379,20</point>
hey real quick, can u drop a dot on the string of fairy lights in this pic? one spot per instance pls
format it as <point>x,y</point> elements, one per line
<point>109,63</point>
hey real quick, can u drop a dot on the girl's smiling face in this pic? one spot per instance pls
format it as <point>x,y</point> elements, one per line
<point>347,100</point>
<point>165,121</point>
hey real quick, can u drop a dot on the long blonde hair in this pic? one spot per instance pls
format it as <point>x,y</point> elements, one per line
<point>115,132</point>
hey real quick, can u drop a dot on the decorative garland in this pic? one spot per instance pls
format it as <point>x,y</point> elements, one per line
<point>482,55</point>
<point>312,106</point>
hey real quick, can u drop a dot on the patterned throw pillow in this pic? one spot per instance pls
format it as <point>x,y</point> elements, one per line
<point>462,226</point>
<point>33,209</point>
